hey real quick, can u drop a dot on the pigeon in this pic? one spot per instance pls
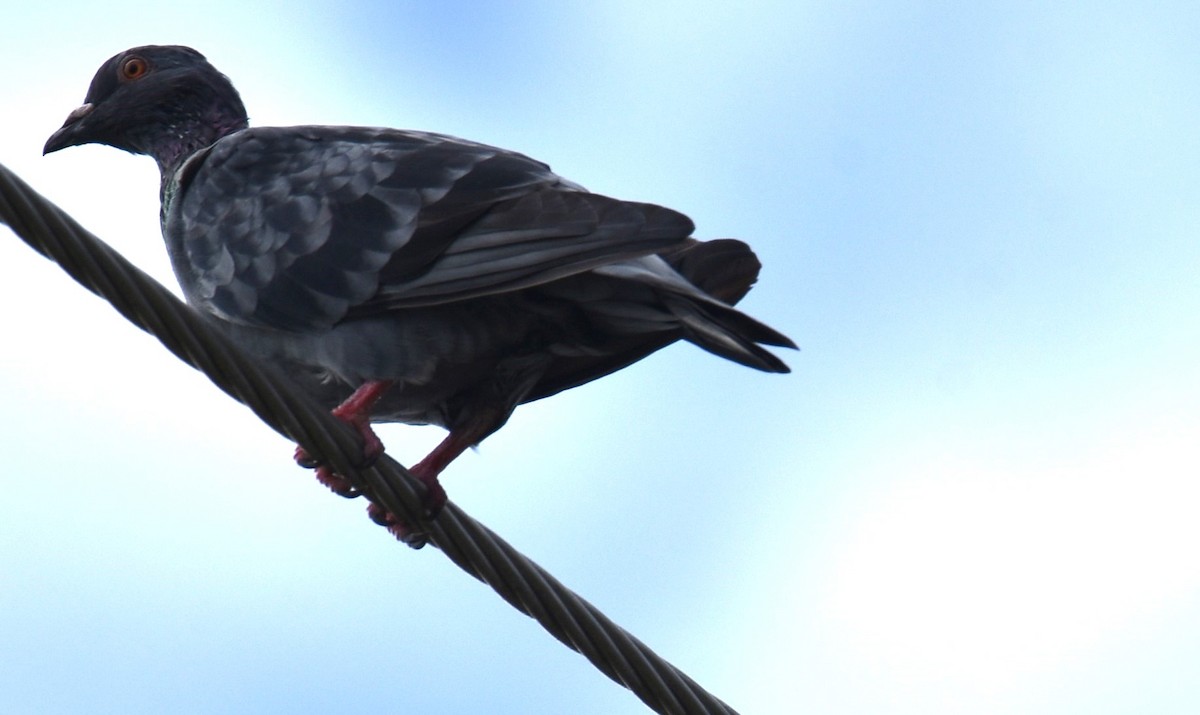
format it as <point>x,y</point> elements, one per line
<point>407,276</point>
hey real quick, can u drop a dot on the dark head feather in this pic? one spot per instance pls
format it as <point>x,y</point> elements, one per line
<point>166,101</point>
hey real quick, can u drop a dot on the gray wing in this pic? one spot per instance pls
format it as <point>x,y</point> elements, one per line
<point>299,228</point>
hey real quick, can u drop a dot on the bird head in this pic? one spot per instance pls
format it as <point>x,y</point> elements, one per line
<point>164,101</point>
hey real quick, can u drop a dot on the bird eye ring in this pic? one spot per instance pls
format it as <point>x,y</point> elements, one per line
<point>134,68</point>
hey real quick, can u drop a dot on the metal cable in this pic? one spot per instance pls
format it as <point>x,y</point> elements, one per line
<point>469,544</point>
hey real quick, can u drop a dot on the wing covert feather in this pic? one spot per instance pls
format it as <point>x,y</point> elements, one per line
<point>299,228</point>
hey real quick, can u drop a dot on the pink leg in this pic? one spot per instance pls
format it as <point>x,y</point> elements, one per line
<point>355,411</point>
<point>427,470</point>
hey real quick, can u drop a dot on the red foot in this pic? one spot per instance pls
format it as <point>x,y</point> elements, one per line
<point>435,499</point>
<point>402,531</point>
<point>305,460</point>
<point>356,411</point>
<point>435,494</point>
<point>337,483</point>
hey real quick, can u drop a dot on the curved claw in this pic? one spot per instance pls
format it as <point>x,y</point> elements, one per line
<point>435,494</point>
<point>337,483</point>
<point>414,538</point>
<point>304,459</point>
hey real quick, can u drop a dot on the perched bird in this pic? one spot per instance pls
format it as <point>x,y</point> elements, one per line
<point>404,276</point>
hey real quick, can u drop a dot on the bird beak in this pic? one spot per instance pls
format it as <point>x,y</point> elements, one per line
<point>71,133</point>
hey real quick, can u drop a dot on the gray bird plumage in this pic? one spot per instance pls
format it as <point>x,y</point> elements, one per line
<point>464,278</point>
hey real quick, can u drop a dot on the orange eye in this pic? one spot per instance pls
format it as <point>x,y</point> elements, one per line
<point>134,68</point>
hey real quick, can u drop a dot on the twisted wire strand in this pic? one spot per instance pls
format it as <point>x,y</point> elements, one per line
<point>469,544</point>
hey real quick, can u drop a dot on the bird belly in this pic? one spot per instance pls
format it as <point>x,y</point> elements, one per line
<point>433,355</point>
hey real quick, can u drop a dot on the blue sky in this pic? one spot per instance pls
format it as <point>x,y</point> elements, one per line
<point>975,493</point>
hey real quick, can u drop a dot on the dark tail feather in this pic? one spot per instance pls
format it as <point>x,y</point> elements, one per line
<point>724,268</point>
<point>724,331</point>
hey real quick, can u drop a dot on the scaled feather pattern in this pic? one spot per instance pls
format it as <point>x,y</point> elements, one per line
<point>410,276</point>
